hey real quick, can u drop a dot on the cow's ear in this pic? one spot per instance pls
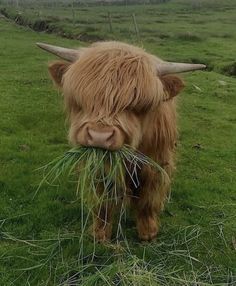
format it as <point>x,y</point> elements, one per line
<point>57,70</point>
<point>172,85</point>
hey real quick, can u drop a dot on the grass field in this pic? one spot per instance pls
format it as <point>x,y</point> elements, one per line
<point>206,29</point>
<point>40,234</point>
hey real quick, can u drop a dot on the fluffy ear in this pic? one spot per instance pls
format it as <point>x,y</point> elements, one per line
<point>172,85</point>
<point>57,70</point>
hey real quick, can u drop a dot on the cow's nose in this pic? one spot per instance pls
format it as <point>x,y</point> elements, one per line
<point>103,139</point>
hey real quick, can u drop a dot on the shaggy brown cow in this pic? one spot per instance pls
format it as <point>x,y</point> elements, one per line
<point>118,94</point>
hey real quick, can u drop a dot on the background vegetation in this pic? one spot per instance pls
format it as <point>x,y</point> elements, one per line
<point>40,240</point>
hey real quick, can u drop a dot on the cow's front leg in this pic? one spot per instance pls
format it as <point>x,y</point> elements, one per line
<point>147,225</point>
<point>148,203</point>
<point>102,223</point>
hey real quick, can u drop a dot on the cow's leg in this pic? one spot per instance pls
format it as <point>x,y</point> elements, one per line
<point>147,216</point>
<point>102,223</point>
<point>148,203</point>
<point>102,216</point>
<point>147,225</point>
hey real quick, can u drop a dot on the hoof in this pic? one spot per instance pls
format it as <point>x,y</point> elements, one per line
<point>101,233</point>
<point>147,229</point>
<point>102,236</point>
<point>148,236</point>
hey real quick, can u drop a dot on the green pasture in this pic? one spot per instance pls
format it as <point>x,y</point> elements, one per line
<point>207,27</point>
<point>40,242</point>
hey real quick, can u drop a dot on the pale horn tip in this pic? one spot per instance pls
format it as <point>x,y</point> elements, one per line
<point>38,44</point>
<point>41,45</point>
<point>202,67</point>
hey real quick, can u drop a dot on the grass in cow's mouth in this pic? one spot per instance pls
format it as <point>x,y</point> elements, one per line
<point>100,169</point>
<point>101,180</point>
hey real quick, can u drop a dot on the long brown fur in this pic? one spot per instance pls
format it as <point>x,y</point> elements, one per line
<point>115,84</point>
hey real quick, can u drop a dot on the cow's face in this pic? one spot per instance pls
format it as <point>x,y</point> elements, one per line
<point>110,94</point>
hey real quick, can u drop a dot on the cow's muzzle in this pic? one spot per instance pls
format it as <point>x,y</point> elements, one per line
<point>106,137</point>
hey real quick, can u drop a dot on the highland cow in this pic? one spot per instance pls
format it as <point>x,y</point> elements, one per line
<point>118,94</point>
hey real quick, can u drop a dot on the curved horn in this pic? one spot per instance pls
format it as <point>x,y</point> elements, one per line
<point>70,55</point>
<point>170,68</point>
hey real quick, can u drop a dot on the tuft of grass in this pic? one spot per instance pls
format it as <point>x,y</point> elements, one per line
<point>102,174</point>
